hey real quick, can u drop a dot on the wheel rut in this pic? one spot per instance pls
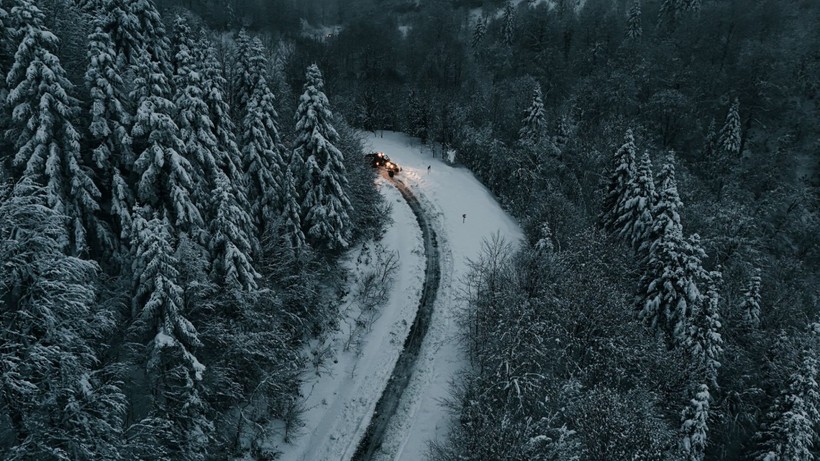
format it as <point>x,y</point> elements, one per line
<point>400,377</point>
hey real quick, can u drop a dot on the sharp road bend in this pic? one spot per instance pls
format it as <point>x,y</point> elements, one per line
<point>405,364</point>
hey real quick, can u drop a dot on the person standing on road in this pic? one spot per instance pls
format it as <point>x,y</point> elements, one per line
<point>464,218</point>
<point>428,169</point>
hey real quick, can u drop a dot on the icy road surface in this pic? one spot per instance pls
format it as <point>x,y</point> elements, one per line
<point>341,399</point>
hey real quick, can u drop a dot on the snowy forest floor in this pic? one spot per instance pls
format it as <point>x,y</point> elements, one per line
<point>356,362</point>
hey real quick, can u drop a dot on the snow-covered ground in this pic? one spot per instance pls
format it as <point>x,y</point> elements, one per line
<point>341,399</point>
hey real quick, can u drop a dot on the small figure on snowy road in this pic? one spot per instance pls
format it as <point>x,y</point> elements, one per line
<point>464,218</point>
<point>428,169</point>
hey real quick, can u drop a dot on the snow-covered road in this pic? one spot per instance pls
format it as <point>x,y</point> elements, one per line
<point>340,401</point>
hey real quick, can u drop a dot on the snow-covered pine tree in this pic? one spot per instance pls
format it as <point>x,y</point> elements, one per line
<point>158,311</point>
<point>750,306</point>
<point>666,210</point>
<point>544,244</point>
<point>623,172</point>
<point>42,127</point>
<point>262,156</point>
<point>291,217</point>
<point>56,402</point>
<point>250,64</point>
<point>634,29</point>
<point>417,117</point>
<point>196,131</point>
<point>695,427</point>
<point>165,181</point>
<point>704,342</point>
<point>791,433</point>
<point>124,29</point>
<point>508,23</point>
<point>729,138</point>
<point>710,150</point>
<point>636,219</point>
<point>668,287</point>
<point>154,41</point>
<point>214,86</point>
<point>535,120</point>
<point>324,202</point>
<point>562,133</point>
<point>230,245</point>
<point>110,130</point>
<point>478,33</point>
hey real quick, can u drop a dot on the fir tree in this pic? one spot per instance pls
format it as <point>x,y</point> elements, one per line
<point>623,172</point>
<point>562,133</point>
<point>695,426</point>
<point>508,23</point>
<point>230,245</point>
<point>729,138</point>
<point>196,131</point>
<point>165,181</point>
<point>750,306</point>
<point>478,33</point>
<point>666,210</point>
<point>417,117</point>
<point>544,244</point>
<point>110,129</point>
<point>535,121</point>
<point>791,432</point>
<point>173,370</point>
<point>262,160</point>
<point>122,26</point>
<point>710,150</point>
<point>634,29</point>
<point>154,41</point>
<point>42,127</point>
<point>324,201</point>
<point>704,341</point>
<point>291,217</point>
<point>57,403</point>
<point>250,65</point>
<point>635,218</point>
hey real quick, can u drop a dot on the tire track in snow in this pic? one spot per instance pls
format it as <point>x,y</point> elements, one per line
<point>403,370</point>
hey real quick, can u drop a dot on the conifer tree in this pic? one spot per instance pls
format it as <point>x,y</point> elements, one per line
<point>42,127</point>
<point>623,172</point>
<point>56,402</point>
<point>791,433</point>
<point>214,86</point>
<point>417,117</point>
<point>750,306</point>
<point>695,426</point>
<point>703,341</point>
<point>230,245</point>
<point>153,39</point>
<point>729,138</point>
<point>250,65</point>
<point>710,150</point>
<point>110,129</point>
<point>562,133</point>
<point>196,131</point>
<point>291,216</point>
<point>634,29</point>
<point>165,181</point>
<point>666,210</point>
<point>535,121</point>
<point>508,24</point>
<point>119,22</point>
<point>173,370</point>
<point>635,218</point>
<point>544,244</point>
<point>478,33</point>
<point>262,156</point>
<point>325,202</point>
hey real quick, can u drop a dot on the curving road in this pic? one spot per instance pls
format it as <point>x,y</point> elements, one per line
<point>399,379</point>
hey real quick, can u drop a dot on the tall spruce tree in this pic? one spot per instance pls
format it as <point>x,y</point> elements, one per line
<point>704,342</point>
<point>750,305</point>
<point>230,245</point>
<point>790,432</point>
<point>478,33</point>
<point>165,181</point>
<point>729,138</point>
<point>119,22</point>
<point>623,173</point>
<point>173,370</point>
<point>291,217</point>
<point>324,198</point>
<point>695,427</point>
<point>262,156</point>
<point>153,39</point>
<point>508,23</point>
<point>57,404</point>
<point>193,117</point>
<point>635,218</point>
<point>634,29</point>
<point>535,120</point>
<point>42,130</point>
<point>110,130</point>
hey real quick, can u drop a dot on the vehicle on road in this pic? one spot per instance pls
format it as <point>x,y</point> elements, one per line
<point>380,160</point>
